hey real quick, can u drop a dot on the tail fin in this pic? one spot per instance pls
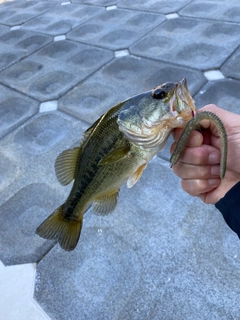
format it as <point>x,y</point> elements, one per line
<point>67,232</point>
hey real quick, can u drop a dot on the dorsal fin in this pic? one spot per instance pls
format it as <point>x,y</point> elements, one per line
<point>65,165</point>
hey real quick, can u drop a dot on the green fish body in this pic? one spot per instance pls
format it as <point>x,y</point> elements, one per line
<point>115,150</point>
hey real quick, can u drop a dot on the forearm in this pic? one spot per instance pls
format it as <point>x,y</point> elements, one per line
<point>229,206</point>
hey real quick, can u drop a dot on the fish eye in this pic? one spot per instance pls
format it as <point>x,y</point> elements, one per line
<point>159,94</point>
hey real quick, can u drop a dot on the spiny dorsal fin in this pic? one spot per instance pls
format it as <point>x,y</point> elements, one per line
<point>65,165</point>
<point>105,204</point>
<point>115,155</point>
<point>136,176</point>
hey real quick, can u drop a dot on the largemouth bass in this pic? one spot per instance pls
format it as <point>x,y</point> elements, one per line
<point>115,150</point>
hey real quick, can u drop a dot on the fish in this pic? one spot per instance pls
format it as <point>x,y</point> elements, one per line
<point>115,150</point>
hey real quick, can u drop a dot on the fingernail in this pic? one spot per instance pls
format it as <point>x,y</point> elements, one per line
<point>214,157</point>
<point>214,182</point>
<point>195,140</point>
<point>215,171</point>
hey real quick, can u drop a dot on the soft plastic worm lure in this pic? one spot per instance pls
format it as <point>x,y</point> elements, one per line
<point>194,124</point>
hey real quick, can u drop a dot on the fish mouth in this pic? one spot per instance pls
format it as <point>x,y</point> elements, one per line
<point>184,98</point>
<point>150,134</point>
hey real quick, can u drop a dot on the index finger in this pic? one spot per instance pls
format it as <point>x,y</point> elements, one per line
<point>195,139</point>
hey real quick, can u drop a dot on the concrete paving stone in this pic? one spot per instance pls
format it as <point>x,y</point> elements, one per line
<point>167,256</point>
<point>8,171</point>
<point>160,6</point>
<point>231,67</point>
<point>29,190</point>
<point>16,44</point>
<point>116,29</point>
<point>53,70</point>
<point>162,254</point>
<point>16,290</point>
<point>199,44</point>
<point>5,5</point>
<point>28,153</point>
<point>119,79</point>
<point>72,16</point>
<point>15,108</point>
<point>224,93</point>
<point>18,221</point>
<point>21,11</point>
<point>28,185</point>
<point>3,29</point>
<point>97,2</point>
<point>42,133</point>
<point>214,10</point>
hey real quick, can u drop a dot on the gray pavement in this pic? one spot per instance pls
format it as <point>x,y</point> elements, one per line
<point>162,254</point>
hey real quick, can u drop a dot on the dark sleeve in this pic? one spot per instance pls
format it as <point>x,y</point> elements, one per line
<point>229,206</point>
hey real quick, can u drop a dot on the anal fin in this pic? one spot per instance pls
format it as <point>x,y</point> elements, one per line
<point>136,176</point>
<point>105,204</point>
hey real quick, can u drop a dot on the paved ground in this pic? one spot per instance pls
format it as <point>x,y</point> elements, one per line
<point>161,254</point>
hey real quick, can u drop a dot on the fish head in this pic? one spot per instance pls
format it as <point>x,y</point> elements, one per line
<point>149,117</point>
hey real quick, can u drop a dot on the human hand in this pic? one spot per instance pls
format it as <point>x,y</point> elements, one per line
<point>199,164</point>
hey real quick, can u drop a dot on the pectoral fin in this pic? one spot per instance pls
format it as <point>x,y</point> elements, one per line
<point>105,204</point>
<point>65,165</point>
<point>136,176</point>
<point>115,155</point>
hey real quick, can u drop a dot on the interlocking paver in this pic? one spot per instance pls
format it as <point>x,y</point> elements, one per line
<point>42,133</point>
<point>117,81</point>
<point>18,226</point>
<point>18,305</point>
<point>15,108</point>
<point>116,29</point>
<point>22,11</point>
<point>120,270</point>
<point>54,69</point>
<point>27,179</point>
<point>98,2</point>
<point>3,29</point>
<point>225,93</point>
<point>16,44</point>
<point>162,254</point>
<point>49,22</point>
<point>230,11</point>
<point>231,67</point>
<point>207,44</point>
<point>160,6</point>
